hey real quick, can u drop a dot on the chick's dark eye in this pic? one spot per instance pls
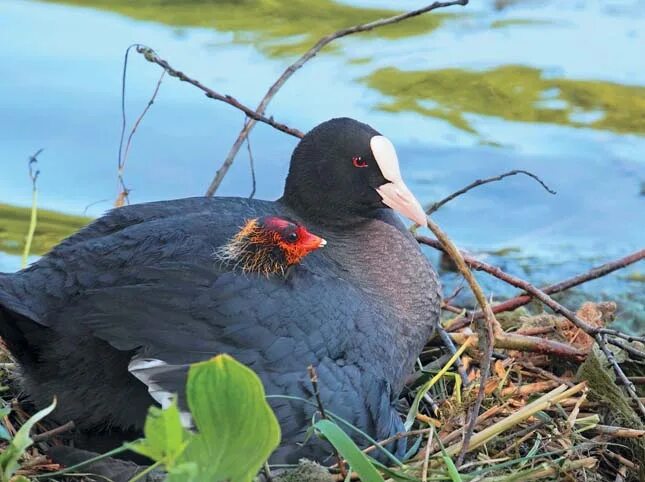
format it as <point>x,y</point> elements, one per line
<point>357,161</point>
<point>292,237</point>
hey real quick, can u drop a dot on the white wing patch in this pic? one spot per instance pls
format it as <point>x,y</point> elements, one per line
<point>145,370</point>
<point>386,158</point>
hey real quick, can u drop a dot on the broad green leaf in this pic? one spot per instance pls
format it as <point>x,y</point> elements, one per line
<point>185,472</point>
<point>357,460</point>
<point>10,457</point>
<point>236,428</point>
<point>165,437</point>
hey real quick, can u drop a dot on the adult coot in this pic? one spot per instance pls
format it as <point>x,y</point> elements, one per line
<point>111,318</point>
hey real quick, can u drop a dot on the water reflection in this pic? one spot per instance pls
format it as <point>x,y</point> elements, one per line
<point>50,229</point>
<point>277,27</point>
<point>514,93</point>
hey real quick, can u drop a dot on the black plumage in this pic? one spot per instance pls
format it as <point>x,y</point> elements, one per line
<point>141,283</point>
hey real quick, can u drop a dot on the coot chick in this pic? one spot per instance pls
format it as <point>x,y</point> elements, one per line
<point>110,320</point>
<point>269,245</point>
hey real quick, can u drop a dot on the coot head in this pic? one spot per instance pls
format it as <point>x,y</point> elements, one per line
<point>268,245</point>
<point>344,169</point>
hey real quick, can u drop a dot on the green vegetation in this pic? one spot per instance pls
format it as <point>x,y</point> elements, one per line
<point>512,92</point>
<point>279,27</point>
<point>636,276</point>
<point>236,428</point>
<point>14,451</point>
<point>51,229</point>
<point>512,22</point>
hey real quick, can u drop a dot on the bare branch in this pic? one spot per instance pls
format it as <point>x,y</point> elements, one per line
<point>151,56</point>
<point>123,160</point>
<point>251,166</point>
<point>54,432</point>
<point>596,332</point>
<point>637,354</point>
<point>309,54</point>
<point>479,182</point>
<point>487,331</point>
<point>542,294</point>
<point>629,386</point>
<point>592,274</point>
<point>124,192</point>
<point>313,377</point>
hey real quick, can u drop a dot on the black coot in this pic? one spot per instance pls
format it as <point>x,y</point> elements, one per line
<point>109,321</point>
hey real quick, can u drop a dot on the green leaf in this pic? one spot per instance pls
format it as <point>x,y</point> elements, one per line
<point>237,430</point>
<point>453,473</point>
<point>20,478</point>
<point>10,457</point>
<point>357,460</point>
<point>165,437</point>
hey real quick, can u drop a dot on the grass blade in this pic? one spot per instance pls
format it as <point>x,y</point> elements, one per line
<point>357,460</point>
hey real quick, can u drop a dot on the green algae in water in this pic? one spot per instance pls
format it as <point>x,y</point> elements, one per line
<point>52,228</point>
<point>512,92</point>
<point>519,22</point>
<point>278,27</point>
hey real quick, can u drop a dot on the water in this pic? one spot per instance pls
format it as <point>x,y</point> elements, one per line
<point>555,89</point>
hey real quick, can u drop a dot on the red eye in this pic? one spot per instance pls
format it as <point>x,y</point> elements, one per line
<point>357,161</point>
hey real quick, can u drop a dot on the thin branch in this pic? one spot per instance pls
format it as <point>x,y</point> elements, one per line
<point>596,332</point>
<point>123,83</point>
<point>54,432</point>
<point>313,377</point>
<point>426,458</point>
<point>592,274</point>
<point>151,56</point>
<point>535,344</point>
<point>543,294</point>
<point>479,182</point>
<point>138,121</point>
<point>309,54</point>
<point>544,373</point>
<point>124,192</point>
<point>637,354</point>
<point>629,386</point>
<point>252,167</point>
<point>486,331</point>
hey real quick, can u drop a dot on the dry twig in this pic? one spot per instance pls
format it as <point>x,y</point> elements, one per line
<point>308,55</point>
<point>542,295</point>
<point>313,377</point>
<point>521,300</point>
<point>629,386</point>
<point>124,192</point>
<point>54,432</point>
<point>479,182</point>
<point>151,56</point>
<point>597,332</point>
<point>487,331</point>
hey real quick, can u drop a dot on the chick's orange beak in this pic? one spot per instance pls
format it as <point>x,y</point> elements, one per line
<point>310,242</point>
